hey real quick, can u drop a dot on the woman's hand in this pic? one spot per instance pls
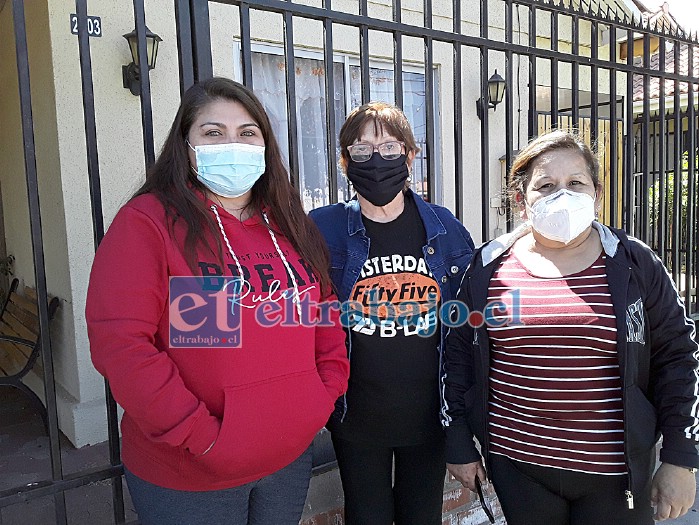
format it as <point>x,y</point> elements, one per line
<point>673,491</point>
<point>466,473</point>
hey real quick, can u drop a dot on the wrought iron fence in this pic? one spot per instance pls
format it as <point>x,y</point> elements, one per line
<point>567,64</point>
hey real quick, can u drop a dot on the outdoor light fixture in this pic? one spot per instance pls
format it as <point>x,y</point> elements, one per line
<point>131,73</point>
<point>496,91</point>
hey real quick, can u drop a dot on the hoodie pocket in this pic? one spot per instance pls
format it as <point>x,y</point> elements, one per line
<point>267,424</point>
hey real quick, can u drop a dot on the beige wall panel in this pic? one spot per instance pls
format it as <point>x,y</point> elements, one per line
<point>225,34</point>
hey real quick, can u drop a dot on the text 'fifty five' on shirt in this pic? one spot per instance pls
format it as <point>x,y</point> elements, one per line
<point>393,396</point>
<point>555,386</point>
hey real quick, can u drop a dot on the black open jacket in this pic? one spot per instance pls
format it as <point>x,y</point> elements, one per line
<point>658,359</point>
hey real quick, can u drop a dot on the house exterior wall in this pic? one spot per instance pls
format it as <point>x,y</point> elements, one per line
<point>62,171</point>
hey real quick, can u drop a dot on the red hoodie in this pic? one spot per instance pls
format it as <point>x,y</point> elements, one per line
<point>261,403</point>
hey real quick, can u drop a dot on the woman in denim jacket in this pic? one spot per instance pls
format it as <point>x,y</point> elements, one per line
<point>395,260</point>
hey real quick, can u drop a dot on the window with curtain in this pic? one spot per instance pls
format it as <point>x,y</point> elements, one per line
<point>270,87</point>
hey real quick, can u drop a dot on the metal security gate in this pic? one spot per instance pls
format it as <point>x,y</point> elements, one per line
<point>568,64</point>
<point>665,193</point>
<point>612,77</point>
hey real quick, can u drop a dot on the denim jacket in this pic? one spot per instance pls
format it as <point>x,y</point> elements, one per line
<point>447,253</point>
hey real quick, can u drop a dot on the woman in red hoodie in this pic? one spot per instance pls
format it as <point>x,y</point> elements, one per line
<point>203,313</point>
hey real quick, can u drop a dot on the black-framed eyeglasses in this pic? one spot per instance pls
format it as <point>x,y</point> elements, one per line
<point>484,502</point>
<point>362,151</point>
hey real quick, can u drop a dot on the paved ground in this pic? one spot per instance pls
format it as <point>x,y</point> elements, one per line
<point>24,458</point>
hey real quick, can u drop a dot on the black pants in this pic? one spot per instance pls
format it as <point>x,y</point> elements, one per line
<point>372,497</point>
<point>534,495</point>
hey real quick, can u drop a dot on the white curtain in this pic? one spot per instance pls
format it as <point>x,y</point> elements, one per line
<point>270,86</point>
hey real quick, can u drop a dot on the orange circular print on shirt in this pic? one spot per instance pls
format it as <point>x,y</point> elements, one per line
<point>402,290</point>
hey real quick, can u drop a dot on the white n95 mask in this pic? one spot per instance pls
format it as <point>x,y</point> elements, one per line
<point>563,215</point>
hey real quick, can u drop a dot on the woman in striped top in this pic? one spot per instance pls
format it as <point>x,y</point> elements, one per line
<point>584,357</point>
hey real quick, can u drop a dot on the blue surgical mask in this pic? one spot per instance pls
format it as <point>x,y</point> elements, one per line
<point>229,170</point>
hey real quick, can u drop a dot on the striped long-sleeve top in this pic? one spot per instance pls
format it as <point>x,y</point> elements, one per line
<point>555,387</point>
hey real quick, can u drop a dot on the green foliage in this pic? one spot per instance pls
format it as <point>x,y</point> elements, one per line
<point>669,198</point>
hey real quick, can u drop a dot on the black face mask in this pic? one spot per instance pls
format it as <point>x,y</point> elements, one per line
<point>378,180</point>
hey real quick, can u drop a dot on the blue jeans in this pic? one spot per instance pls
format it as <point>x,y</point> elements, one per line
<point>277,499</point>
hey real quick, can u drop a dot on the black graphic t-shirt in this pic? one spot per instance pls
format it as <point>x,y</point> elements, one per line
<point>393,396</point>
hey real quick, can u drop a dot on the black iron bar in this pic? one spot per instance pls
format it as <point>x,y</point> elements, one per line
<point>385,25</point>
<point>290,78</point>
<point>691,253</point>
<point>42,489</point>
<point>661,211</point>
<point>398,55</point>
<point>677,172</point>
<point>594,84</point>
<point>29,151</point>
<point>653,182</point>
<point>185,51</point>
<point>591,15</point>
<point>533,124</point>
<point>93,174</point>
<point>245,50</point>
<point>485,140</point>
<point>364,52</point>
<point>645,142</point>
<point>377,24</point>
<point>330,131</point>
<point>554,70</point>
<point>201,39</point>
<point>429,104</point>
<point>88,96</point>
<point>144,75</point>
<point>614,127</point>
<point>629,187</point>
<point>458,112</point>
<point>509,112</point>
<point>576,72</point>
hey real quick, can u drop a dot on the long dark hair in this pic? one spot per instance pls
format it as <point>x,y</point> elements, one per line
<point>173,182</point>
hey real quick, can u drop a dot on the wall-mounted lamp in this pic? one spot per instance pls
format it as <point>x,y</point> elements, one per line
<point>496,91</point>
<point>130,73</point>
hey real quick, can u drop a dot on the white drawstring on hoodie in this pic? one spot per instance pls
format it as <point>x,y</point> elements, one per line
<point>295,299</point>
